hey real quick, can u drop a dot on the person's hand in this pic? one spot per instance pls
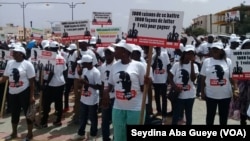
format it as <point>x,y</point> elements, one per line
<point>236,92</point>
<point>105,99</point>
<point>203,96</point>
<point>32,100</point>
<point>177,89</point>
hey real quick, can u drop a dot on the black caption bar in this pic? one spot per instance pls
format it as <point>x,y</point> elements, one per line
<point>163,132</point>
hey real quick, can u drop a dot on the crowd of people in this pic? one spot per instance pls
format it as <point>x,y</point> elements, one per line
<point>110,80</point>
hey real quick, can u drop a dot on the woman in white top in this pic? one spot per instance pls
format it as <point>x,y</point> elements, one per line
<point>216,84</point>
<point>182,77</point>
<point>21,76</point>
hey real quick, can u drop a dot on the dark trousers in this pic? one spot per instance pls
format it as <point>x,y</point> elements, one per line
<point>88,112</point>
<point>68,86</point>
<point>161,94</point>
<point>223,109</point>
<point>52,94</point>
<point>18,102</point>
<point>106,120</point>
<point>180,106</point>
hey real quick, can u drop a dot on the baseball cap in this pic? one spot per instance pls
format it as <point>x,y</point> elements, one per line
<point>72,47</point>
<point>19,49</point>
<point>85,59</point>
<point>83,41</point>
<point>188,48</point>
<point>217,45</point>
<point>54,44</point>
<point>110,48</point>
<point>45,43</point>
<point>124,45</point>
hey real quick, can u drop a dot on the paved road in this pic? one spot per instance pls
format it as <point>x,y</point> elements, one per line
<point>67,130</point>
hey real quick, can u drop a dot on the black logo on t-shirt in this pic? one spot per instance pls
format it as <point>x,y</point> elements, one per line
<point>126,84</point>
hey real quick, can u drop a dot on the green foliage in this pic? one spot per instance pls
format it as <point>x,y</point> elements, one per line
<point>195,31</point>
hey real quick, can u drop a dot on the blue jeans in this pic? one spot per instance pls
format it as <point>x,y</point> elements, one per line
<point>88,112</point>
<point>106,120</point>
<point>181,106</point>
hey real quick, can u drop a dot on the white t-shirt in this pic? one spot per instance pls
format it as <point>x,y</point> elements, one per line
<point>182,79</point>
<point>105,74</point>
<point>127,80</point>
<point>160,72</point>
<point>90,96</point>
<point>217,73</point>
<point>19,74</point>
<point>71,58</point>
<point>59,67</point>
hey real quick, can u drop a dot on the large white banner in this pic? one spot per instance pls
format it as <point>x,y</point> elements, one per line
<point>155,27</point>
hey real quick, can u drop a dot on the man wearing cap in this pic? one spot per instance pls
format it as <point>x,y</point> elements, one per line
<point>127,79</point>
<point>21,76</point>
<point>105,74</point>
<point>90,79</point>
<point>55,88</point>
<point>161,65</point>
<point>137,56</point>
<point>83,49</point>
<point>71,58</point>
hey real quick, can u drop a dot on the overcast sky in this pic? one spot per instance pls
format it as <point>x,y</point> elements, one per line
<point>43,16</point>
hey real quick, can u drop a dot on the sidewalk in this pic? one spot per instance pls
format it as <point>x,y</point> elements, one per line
<point>67,130</point>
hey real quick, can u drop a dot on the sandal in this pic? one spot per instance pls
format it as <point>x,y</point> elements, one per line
<point>10,137</point>
<point>28,138</point>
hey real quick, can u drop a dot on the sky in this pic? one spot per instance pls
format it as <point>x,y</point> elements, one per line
<point>43,16</point>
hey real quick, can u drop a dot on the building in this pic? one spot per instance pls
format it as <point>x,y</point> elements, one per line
<point>220,23</point>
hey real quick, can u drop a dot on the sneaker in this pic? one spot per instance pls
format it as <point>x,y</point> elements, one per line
<point>91,138</point>
<point>57,123</point>
<point>41,126</point>
<point>78,137</point>
<point>164,121</point>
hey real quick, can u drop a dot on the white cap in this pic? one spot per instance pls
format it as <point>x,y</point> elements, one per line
<point>188,48</point>
<point>72,47</point>
<point>136,48</point>
<point>54,44</point>
<point>80,41</point>
<point>20,49</point>
<point>235,39</point>
<point>45,43</point>
<point>217,45</point>
<point>85,59</point>
<point>92,40</point>
<point>110,48</point>
<point>124,45</point>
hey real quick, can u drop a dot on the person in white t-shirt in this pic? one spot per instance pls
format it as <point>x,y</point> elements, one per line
<point>90,79</point>
<point>105,74</point>
<point>161,66</point>
<point>216,84</point>
<point>182,77</point>
<point>20,74</point>
<point>54,88</point>
<point>137,56</point>
<point>83,49</point>
<point>71,63</point>
<point>127,79</point>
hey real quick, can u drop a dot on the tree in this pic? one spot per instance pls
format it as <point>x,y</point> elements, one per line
<point>195,31</point>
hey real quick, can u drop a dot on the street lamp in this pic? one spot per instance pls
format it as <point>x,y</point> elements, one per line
<point>71,5</point>
<point>23,6</point>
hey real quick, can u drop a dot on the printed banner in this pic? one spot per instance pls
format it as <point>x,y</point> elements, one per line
<point>155,28</point>
<point>241,64</point>
<point>5,56</point>
<point>232,16</point>
<point>107,35</point>
<point>75,30</point>
<point>102,18</point>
